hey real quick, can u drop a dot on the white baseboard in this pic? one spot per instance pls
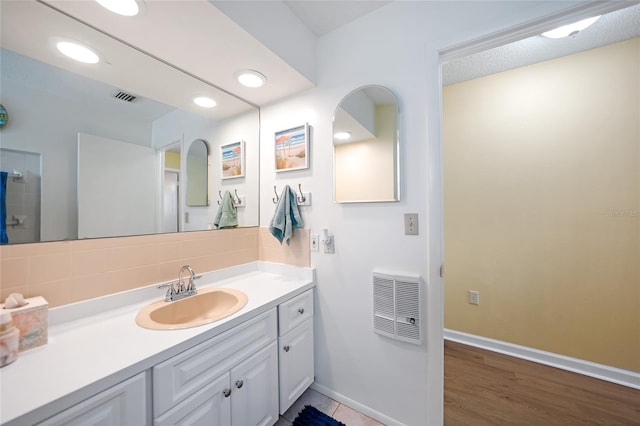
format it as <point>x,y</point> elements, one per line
<point>355,405</point>
<point>599,371</point>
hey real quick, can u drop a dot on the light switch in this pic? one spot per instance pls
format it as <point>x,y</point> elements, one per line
<point>411,224</point>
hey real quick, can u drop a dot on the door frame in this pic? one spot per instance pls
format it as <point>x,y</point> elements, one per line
<point>436,54</point>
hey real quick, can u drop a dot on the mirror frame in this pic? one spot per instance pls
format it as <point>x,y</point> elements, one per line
<point>396,148</point>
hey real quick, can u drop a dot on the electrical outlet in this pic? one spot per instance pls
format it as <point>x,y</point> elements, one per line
<point>474,297</point>
<point>411,224</point>
<point>314,242</point>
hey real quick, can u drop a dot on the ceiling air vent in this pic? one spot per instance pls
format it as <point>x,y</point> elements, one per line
<point>124,96</point>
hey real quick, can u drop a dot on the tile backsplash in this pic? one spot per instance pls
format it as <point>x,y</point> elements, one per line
<point>71,271</point>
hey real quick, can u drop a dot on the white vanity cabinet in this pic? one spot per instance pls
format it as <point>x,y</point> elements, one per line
<point>295,345</point>
<point>122,404</point>
<point>230,379</point>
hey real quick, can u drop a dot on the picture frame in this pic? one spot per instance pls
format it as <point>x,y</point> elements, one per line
<point>232,160</point>
<point>291,149</point>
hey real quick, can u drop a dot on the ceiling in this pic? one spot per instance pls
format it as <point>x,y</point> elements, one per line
<point>206,43</point>
<point>325,16</point>
<point>611,28</point>
<point>322,17</point>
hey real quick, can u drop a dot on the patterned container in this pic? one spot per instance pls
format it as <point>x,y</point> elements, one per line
<point>32,320</point>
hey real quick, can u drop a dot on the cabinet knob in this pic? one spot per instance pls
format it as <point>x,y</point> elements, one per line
<point>286,348</point>
<point>226,393</point>
<point>239,383</point>
<point>301,311</point>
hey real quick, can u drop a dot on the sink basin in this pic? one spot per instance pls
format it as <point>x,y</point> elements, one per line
<point>207,306</point>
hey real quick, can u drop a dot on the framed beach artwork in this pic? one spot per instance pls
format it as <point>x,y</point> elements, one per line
<point>232,156</point>
<point>292,149</point>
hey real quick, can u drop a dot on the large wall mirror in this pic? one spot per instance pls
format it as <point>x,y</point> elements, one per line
<point>102,149</point>
<point>366,147</point>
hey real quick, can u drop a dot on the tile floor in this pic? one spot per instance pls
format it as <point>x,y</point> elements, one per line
<point>340,412</point>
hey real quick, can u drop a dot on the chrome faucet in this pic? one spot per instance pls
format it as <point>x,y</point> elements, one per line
<point>178,290</point>
<point>192,276</point>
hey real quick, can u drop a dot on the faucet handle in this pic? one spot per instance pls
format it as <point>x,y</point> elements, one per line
<point>171,291</point>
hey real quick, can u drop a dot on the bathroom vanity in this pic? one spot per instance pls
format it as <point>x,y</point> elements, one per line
<point>102,368</point>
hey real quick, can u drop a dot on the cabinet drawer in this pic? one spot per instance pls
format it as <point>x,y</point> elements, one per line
<point>183,375</point>
<point>295,311</point>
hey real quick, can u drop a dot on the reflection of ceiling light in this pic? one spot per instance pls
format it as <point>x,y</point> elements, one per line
<point>78,52</point>
<point>342,136</point>
<point>121,7</point>
<point>571,29</point>
<point>251,78</point>
<point>204,102</point>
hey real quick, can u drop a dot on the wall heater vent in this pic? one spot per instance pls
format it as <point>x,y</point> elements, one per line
<point>396,307</point>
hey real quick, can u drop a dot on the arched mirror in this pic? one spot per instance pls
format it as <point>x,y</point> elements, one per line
<point>366,147</point>
<point>197,174</point>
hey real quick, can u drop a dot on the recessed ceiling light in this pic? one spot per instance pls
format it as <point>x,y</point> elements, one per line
<point>571,29</point>
<point>251,78</point>
<point>121,7</point>
<point>342,136</point>
<point>204,102</point>
<point>78,52</point>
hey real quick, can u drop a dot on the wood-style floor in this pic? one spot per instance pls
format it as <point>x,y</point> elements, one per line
<point>488,388</point>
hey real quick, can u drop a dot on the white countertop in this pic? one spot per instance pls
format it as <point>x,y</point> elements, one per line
<point>96,344</point>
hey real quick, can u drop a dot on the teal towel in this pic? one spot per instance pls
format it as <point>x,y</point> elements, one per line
<point>227,216</point>
<point>286,217</point>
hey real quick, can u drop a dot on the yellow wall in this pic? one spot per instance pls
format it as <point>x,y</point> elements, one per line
<point>542,205</point>
<point>172,160</point>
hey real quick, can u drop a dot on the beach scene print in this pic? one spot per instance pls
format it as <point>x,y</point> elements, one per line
<point>232,160</point>
<point>291,149</point>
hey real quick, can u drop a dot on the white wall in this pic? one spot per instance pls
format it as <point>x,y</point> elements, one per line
<point>396,46</point>
<point>42,122</point>
<point>117,188</point>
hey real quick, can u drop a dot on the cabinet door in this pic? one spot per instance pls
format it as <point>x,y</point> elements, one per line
<point>296,363</point>
<point>122,404</point>
<point>209,406</point>
<point>254,383</point>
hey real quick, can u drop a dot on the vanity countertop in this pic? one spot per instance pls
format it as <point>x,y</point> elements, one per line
<point>95,344</point>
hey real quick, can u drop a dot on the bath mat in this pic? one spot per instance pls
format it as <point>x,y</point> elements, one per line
<point>311,416</point>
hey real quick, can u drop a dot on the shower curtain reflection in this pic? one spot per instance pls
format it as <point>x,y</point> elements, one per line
<point>3,208</point>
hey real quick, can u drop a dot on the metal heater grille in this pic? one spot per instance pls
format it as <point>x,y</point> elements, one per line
<point>396,307</point>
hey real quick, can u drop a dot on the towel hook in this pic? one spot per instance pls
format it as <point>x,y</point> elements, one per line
<point>237,200</point>
<point>301,197</point>
<point>220,195</point>
<point>276,198</point>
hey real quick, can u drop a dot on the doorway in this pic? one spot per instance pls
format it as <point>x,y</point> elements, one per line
<point>171,193</point>
<point>171,201</point>
<point>546,230</point>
